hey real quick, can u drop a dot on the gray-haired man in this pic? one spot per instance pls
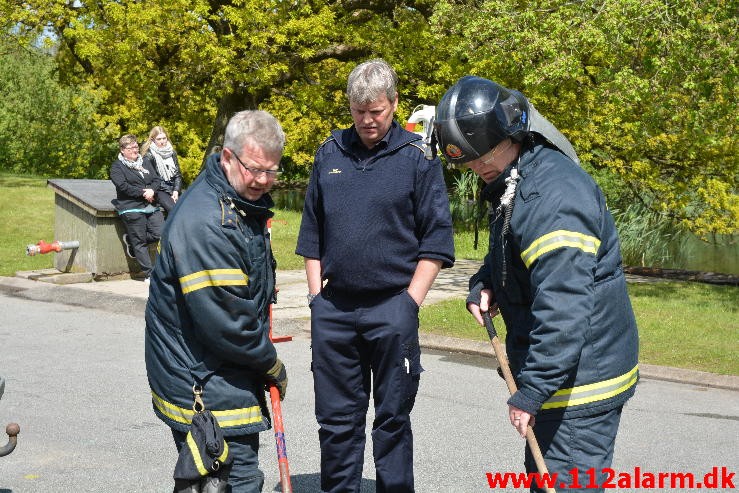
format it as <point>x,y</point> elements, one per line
<point>376,230</point>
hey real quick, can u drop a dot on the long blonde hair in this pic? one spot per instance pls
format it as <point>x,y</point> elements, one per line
<point>150,140</point>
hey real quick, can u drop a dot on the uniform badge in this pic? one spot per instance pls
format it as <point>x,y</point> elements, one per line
<point>453,151</point>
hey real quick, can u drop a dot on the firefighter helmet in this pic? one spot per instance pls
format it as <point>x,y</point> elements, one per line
<point>475,115</point>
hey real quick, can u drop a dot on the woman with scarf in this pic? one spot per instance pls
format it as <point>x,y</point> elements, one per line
<point>162,157</point>
<point>136,183</point>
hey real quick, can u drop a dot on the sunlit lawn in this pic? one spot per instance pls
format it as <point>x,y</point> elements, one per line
<point>681,324</point>
<point>26,216</point>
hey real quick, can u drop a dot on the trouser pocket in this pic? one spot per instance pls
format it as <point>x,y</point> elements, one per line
<point>411,370</point>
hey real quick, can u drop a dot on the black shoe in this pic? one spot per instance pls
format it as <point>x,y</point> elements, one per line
<point>129,248</point>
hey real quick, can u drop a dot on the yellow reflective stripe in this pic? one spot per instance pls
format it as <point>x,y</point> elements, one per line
<point>593,392</point>
<point>196,455</point>
<point>228,418</point>
<point>223,456</point>
<point>246,416</point>
<point>175,413</point>
<point>213,277</point>
<point>559,239</point>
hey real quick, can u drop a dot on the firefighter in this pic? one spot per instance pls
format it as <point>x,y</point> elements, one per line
<point>207,326</point>
<point>376,230</point>
<point>554,272</point>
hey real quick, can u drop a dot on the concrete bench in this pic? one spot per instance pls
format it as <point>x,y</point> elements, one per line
<point>84,212</point>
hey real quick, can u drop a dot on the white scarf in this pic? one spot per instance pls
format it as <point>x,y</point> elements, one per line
<point>134,165</point>
<point>165,161</point>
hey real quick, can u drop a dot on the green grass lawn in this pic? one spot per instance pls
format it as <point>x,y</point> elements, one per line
<point>688,325</point>
<point>285,227</point>
<point>26,216</point>
<point>681,324</point>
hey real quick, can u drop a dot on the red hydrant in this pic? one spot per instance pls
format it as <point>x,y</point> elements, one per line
<point>57,246</point>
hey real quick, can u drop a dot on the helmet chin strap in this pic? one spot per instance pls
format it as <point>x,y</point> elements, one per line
<point>507,200</point>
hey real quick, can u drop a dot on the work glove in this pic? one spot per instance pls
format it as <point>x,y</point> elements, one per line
<point>278,376</point>
<point>475,295</point>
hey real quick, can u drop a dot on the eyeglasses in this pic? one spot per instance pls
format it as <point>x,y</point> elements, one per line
<point>134,146</point>
<point>496,151</point>
<point>256,172</point>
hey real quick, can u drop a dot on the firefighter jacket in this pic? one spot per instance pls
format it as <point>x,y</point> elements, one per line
<point>207,317</point>
<point>558,280</point>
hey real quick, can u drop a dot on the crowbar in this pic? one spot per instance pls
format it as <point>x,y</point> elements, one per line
<point>512,389</point>
<point>274,395</point>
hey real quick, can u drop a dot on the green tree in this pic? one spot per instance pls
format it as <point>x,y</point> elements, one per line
<point>190,64</point>
<point>645,89</point>
<point>45,128</point>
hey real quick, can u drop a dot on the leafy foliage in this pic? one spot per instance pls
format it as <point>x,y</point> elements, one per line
<point>646,89</point>
<point>189,64</point>
<point>45,128</point>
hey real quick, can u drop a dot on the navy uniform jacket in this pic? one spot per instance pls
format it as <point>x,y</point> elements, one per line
<point>207,315</point>
<point>571,334</point>
<point>369,216</point>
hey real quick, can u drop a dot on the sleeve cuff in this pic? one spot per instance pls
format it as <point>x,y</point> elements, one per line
<point>446,262</point>
<point>525,403</point>
<point>475,294</point>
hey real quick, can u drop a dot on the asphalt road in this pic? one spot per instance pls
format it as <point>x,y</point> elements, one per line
<point>76,384</point>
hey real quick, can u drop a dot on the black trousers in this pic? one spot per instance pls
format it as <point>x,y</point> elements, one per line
<point>165,200</point>
<point>143,229</point>
<point>358,346</point>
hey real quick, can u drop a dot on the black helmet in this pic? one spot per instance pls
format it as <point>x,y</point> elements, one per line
<point>475,115</point>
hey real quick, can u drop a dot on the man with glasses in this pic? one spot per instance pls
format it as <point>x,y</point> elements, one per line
<point>376,230</point>
<point>136,182</point>
<point>207,337</point>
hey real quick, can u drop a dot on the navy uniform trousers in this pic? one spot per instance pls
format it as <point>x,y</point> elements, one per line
<point>362,344</point>
<point>577,450</point>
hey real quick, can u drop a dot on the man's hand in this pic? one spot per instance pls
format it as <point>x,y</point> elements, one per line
<point>520,419</point>
<point>486,296</point>
<point>278,376</point>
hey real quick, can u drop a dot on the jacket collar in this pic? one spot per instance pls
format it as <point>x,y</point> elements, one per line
<point>217,179</point>
<point>394,138</point>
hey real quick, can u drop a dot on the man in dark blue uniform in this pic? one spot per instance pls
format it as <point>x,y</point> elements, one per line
<point>376,230</point>
<point>207,325</point>
<point>553,270</point>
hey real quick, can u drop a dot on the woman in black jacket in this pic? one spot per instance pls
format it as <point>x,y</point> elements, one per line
<point>136,183</point>
<point>162,157</point>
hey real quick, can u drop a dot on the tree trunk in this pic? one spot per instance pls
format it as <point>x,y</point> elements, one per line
<point>228,105</point>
